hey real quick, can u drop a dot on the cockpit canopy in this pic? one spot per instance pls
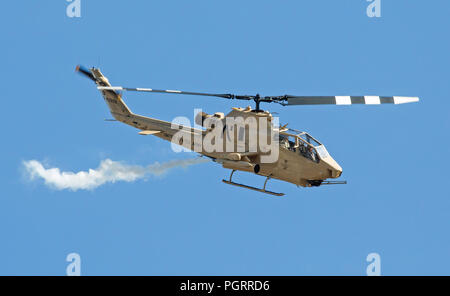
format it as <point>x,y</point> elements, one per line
<point>304,144</point>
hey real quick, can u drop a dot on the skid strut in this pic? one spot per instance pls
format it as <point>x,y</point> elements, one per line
<point>263,190</point>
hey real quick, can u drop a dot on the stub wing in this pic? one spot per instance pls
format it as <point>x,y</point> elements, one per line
<point>148,132</point>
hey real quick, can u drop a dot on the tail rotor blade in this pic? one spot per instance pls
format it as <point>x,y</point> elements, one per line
<point>82,70</point>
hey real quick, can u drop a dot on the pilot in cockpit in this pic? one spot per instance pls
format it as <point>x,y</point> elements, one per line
<point>310,154</point>
<point>284,142</point>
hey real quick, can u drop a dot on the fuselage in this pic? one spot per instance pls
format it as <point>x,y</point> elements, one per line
<point>293,157</point>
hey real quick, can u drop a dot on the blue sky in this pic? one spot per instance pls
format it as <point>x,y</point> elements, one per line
<point>188,222</point>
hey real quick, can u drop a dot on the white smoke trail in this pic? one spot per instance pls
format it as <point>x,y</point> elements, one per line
<point>108,171</point>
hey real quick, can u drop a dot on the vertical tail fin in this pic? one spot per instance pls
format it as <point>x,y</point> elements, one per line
<point>117,107</point>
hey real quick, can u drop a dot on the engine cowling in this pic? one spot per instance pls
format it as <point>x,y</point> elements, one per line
<point>201,117</point>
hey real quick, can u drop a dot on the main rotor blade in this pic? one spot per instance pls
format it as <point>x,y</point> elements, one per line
<point>286,100</point>
<point>347,100</point>
<point>179,92</point>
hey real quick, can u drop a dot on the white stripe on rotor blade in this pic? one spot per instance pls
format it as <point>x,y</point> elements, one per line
<point>109,87</point>
<point>404,100</point>
<point>343,100</point>
<point>173,91</point>
<point>372,100</point>
<point>144,89</point>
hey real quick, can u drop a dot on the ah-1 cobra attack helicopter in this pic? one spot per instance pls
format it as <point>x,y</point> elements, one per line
<point>300,158</point>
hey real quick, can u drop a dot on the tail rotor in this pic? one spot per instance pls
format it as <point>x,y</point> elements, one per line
<point>82,70</point>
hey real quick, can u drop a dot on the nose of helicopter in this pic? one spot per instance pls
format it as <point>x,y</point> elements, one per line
<point>337,172</point>
<point>334,168</point>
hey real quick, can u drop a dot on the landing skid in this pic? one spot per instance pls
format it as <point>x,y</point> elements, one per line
<point>263,190</point>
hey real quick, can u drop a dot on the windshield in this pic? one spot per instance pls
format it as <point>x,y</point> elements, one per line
<point>304,144</point>
<point>307,138</point>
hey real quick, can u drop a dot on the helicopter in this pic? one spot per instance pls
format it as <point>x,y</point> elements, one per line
<point>292,156</point>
